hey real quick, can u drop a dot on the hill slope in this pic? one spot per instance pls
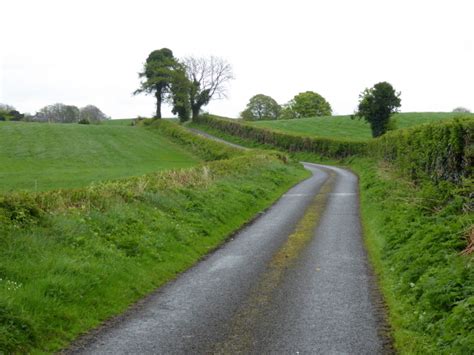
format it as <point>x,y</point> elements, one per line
<point>48,156</point>
<point>344,127</point>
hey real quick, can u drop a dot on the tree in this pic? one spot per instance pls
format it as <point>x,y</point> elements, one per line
<point>158,75</point>
<point>376,105</point>
<point>309,104</point>
<point>92,114</point>
<point>261,107</point>
<point>58,113</point>
<point>180,91</point>
<point>207,79</point>
<point>461,109</point>
<point>9,113</point>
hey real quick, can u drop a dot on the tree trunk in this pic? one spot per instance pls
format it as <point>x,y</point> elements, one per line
<point>195,110</point>
<point>158,104</point>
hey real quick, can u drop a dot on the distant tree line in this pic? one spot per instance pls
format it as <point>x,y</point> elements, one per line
<point>57,113</point>
<point>305,104</point>
<point>187,84</point>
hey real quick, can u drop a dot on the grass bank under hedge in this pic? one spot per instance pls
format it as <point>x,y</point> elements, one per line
<point>416,232</point>
<point>416,235</point>
<point>70,259</point>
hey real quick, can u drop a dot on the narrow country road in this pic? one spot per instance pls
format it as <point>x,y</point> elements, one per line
<point>297,280</point>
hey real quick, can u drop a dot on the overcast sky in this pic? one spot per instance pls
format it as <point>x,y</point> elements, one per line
<point>89,52</point>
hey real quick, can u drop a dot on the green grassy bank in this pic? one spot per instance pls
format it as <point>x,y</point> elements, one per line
<point>40,156</point>
<point>416,236</point>
<point>69,259</point>
<point>416,205</point>
<point>343,127</point>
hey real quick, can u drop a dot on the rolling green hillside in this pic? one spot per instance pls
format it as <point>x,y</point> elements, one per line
<point>344,127</point>
<point>38,156</point>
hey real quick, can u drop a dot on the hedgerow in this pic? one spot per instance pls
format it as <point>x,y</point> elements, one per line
<point>437,152</point>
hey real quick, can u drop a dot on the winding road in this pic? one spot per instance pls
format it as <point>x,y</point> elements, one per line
<point>297,280</point>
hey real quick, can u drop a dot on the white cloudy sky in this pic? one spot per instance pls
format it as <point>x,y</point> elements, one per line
<point>89,52</point>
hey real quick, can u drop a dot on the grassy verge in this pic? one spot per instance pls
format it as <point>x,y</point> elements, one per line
<point>70,259</point>
<point>415,236</point>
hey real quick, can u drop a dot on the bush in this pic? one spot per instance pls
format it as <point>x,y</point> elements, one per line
<point>84,121</point>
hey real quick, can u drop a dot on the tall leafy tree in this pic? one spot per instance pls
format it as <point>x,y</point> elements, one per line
<point>180,91</point>
<point>207,78</point>
<point>92,113</point>
<point>376,105</point>
<point>261,107</point>
<point>309,104</point>
<point>157,76</point>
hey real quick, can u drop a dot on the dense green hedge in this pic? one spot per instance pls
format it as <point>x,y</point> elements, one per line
<point>332,148</point>
<point>439,152</point>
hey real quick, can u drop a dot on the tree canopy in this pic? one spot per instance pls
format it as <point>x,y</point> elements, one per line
<point>461,109</point>
<point>306,104</point>
<point>9,113</point>
<point>92,114</point>
<point>61,113</point>
<point>157,75</point>
<point>376,105</point>
<point>58,113</point>
<point>261,107</point>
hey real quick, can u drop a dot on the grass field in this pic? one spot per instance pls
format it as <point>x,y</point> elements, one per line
<point>344,127</point>
<point>118,122</point>
<point>38,156</point>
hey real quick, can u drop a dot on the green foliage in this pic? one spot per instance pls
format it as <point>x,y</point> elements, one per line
<point>69,259</point>
<point>180,94</point>
<point>376,105</point>
<point>437,152</point>
<point>36,156</point>
<point>261,107</point>
<point>158,73</point>
<point>307,104</point>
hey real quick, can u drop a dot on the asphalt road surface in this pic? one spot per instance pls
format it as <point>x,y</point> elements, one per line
<point>295,281</point>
